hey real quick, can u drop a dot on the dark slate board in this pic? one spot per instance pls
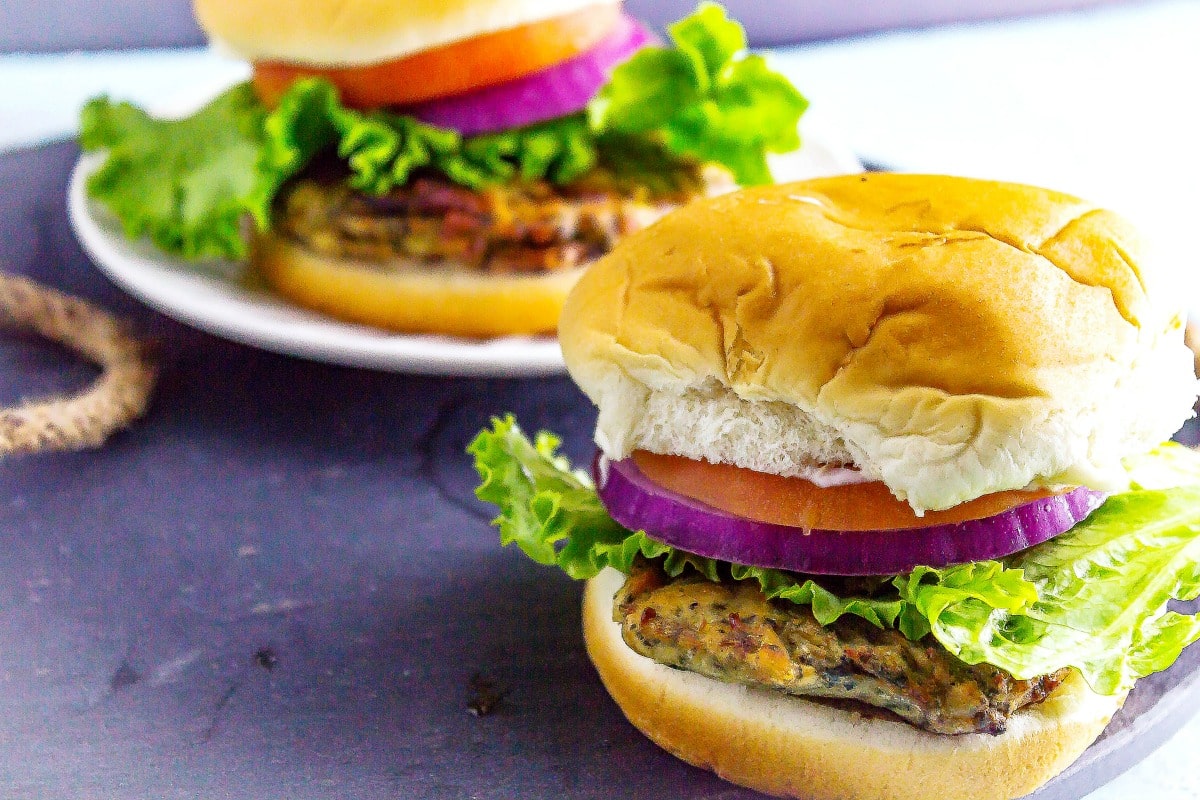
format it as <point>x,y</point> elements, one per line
<point>317,520</point>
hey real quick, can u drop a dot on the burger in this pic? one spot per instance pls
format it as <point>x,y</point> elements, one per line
<point>881,507</point>
<point>443,167</point>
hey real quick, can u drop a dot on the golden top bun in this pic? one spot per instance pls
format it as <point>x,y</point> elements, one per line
<point>788,746</point>
<point>336,33</point>
<point>951,337</point>
<point>413,297</point>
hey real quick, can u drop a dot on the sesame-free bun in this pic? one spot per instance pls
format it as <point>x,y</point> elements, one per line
<point>412,297</point>
<point>333,33</point>
<point>950,337</point>
<point>788,746</point>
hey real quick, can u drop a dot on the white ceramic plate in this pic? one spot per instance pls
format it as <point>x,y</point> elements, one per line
<point>211,297</point>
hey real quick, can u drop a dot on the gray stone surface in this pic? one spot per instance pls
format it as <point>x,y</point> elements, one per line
<point>318,521</point>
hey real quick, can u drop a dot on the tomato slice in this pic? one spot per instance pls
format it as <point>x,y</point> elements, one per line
<point>802,504</point>
<point>455,68</point>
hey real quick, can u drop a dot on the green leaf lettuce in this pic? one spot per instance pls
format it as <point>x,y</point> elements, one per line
<point>555,516</point>
<point>190,184</point>
<point>705,97</point>
<point>1094,598</point>
<point>186,184</point>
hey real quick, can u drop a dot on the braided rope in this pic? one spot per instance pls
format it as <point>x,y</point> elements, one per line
<point>114,399</point>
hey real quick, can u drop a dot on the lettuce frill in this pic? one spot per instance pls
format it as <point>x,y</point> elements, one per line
<point>1094,598</point>
<point>189,184</point>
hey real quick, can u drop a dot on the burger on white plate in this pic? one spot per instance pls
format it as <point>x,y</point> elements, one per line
<point>441,167</point>
<point>882,507</point>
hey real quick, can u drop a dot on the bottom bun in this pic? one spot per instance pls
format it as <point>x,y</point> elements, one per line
<point>791,747</point>
<point>413,297</point>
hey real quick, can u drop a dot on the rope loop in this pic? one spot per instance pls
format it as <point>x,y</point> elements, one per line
<point>115,399</point>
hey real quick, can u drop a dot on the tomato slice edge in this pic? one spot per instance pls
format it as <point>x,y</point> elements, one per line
<point>800,503</point>
<point>455,68</point>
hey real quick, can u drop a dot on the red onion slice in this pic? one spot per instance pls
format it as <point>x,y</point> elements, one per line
<point>554,92</point>
<point>638,503</point>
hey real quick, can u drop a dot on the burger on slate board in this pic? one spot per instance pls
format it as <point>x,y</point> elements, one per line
<point>881,507</point>
<point>442,167</point>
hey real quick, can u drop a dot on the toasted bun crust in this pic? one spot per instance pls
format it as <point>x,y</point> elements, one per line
<point>413,297</point>
<point>347,32</point>
<point>787,746</point>
<point>951,337</point>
